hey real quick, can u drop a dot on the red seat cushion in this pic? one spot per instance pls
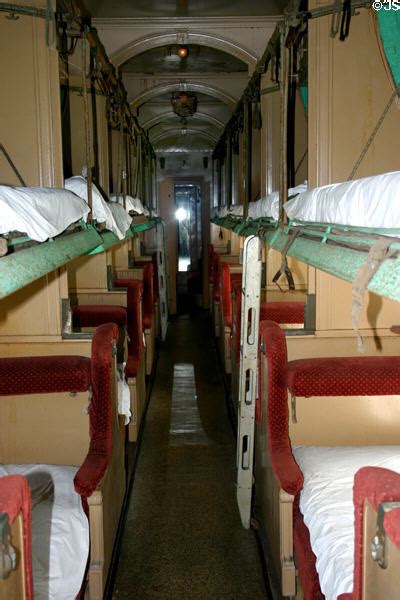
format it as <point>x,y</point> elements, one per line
<point>348,376</point>
<point>226,293</point>
<point>134,311</point>
<point>148,295</point>
<point>44,375</point>
<point>94,315</point>
<point>282,312</point>
<point>132,366</point>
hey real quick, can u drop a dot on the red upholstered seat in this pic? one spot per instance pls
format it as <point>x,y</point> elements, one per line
<point>216,275</point>
<point>236,277</point>
<point>143,263</point>
<point>132,366</point>
<point>148,295</point>
<point>15,498</point>
<point>348,376</point>
<point>44,375</point>
<point>226,293</point>
<point>91,315</point>
<point>100,413</point>
<point>282,312</point>
<point>135,318</point>
<point>279,312</point>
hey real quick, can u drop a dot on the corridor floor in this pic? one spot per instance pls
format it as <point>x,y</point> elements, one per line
<point>183,538</point>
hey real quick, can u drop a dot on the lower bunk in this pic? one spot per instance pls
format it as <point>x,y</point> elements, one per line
<point>320,424</point>
<point>60,428</point>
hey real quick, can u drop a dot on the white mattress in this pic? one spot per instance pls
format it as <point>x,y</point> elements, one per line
<point>132,204</point>
<point>41,213</point>
<point>326,503</point>
<point>101,209</point>
<point>60,530</point>
<point>265,207</point>
<point>368,202</point>
<point>121,216</point>
<point>124,394</point>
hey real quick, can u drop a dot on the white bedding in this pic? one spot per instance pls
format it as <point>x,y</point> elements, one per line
<point>58,516</point>
<point>265,207</point>
<point>326,503</point>
<point>41,213</point>
<point>101,209</point>
<point>368,202</point>
<point>121,216</point>
<point>132,204</point>
<point>124,394</point>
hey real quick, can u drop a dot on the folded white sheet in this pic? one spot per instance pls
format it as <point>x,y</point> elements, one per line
<point>101,209</point>
<point>326,503</point>
<point>60,530</point>
<point>265,207</point>
<point>121,216</point>
<point>369,202</point>
<point>124,394</point>
<point>41,213</point>
<point>132,204</point>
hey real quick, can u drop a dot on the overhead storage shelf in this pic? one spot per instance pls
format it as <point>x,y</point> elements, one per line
<point>335,249</point>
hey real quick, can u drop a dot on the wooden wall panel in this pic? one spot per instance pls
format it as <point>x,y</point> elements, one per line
<point>167,213</point>
<point>30,121</point>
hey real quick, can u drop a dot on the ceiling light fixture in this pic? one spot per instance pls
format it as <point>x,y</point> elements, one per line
<point>183,52</point>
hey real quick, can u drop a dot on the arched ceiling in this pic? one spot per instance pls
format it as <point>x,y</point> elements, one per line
<point>222,53</point>
<point>180,8</point>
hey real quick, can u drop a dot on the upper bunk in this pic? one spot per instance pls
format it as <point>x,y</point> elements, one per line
<point>335,228</point>
<point>349,230</point>
<point>72,117</point>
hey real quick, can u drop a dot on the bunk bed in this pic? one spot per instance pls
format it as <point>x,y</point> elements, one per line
<point>76,467</point>
<point>324,229</point>
<point>350,230</point>
<point>45,228</point>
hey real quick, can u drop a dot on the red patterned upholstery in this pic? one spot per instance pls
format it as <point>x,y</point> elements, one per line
<point>305,559</point>
<point>279,312</point>
<point>44,375</point>
<point>135,325</point>
<point>226,293</point>
<point>91,315</point>
<point>210,262</point>
<point>15,497</point>
<point>283,312</point>
<point>285,467</point>
<point>143,263</point>
<point>348,376</point>
<point>216,274</point>
<point>377,485</point>
<point>148,295</point>
<point>100,414</point>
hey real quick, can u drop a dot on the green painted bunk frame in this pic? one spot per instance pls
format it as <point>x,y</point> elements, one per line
<point>21,268</point>
<point>336,249</point>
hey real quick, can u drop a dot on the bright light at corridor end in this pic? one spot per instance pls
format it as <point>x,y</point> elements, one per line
<point>181,214</point>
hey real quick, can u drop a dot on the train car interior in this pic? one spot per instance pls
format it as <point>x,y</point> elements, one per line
<point>199,300</point>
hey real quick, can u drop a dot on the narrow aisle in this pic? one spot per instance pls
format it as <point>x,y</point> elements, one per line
<point>183,538</point>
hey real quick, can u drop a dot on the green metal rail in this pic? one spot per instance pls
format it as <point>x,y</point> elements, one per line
<point>109,239</point>
<point>18,269</point>
<point>21,268</point>
<point>335,249</point>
